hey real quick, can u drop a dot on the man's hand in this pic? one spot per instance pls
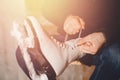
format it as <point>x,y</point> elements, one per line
<point>73,24</point>
<point>92,43</point>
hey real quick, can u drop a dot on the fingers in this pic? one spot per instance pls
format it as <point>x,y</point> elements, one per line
<point>91,43</point>
<point>89,47</point>
<point>86,46</point>
<point>81,42</point>
<point>87,40</point>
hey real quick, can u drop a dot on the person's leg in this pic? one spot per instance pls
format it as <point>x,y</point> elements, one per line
<point>44,51</point>
<point>59,55</point>
<point>108,67</point>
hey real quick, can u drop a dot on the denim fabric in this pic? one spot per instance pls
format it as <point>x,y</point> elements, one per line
<point>108,67</point>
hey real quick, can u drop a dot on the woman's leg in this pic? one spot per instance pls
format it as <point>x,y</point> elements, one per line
<point>57,55</point>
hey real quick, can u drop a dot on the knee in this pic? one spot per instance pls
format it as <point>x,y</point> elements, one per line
<point>111,54</point>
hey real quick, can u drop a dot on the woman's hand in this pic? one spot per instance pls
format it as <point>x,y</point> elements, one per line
<point>92,43</point>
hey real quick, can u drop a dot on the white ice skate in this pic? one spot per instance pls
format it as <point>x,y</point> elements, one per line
<point>46,55</point>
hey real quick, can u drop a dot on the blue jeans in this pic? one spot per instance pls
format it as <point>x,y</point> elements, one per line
<point>108,66</point>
